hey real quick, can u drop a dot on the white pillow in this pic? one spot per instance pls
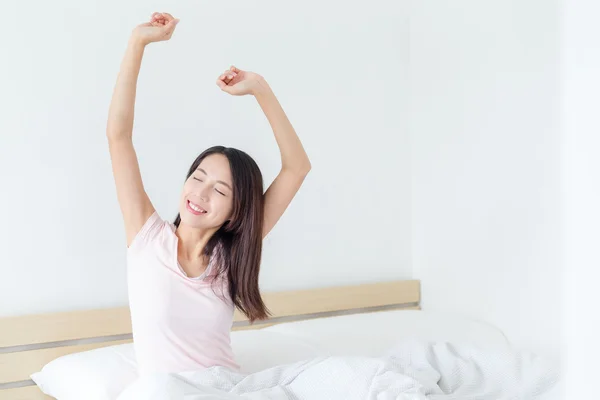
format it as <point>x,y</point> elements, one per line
<point>373,334</point>
<point>102,374</point>
<point>99,374</point>
<point>258,350</point>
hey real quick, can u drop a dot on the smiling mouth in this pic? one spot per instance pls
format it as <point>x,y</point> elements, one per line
<point>195,208</point>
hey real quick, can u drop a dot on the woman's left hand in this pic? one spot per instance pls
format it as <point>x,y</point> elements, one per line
<point>238,82</point>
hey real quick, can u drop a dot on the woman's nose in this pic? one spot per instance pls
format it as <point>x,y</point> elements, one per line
<point>203,193</point>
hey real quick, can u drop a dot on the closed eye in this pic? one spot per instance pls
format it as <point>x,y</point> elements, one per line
<point>216,190</point>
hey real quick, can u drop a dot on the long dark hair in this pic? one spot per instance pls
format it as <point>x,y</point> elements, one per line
<point>239,240</point>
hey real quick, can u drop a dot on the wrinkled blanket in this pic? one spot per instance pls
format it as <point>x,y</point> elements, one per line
<point>415,371</point>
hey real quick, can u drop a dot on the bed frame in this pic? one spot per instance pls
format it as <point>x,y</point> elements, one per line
<point>29,342</point>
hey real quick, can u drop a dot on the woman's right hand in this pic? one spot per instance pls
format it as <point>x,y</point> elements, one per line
<point>160,27</point>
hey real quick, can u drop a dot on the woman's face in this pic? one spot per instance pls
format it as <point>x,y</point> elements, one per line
<point>207,197</point>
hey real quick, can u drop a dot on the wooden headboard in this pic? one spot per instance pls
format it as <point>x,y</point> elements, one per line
<point>29,342</point>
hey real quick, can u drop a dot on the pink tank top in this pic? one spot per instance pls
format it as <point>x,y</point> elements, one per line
<point>179,323</point>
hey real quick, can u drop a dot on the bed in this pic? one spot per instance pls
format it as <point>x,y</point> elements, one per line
<point>350,321</point>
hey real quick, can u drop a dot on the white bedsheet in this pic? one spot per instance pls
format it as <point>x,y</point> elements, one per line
<point>410,371</point>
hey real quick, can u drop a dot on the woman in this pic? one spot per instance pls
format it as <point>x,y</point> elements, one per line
<point>185,278</point>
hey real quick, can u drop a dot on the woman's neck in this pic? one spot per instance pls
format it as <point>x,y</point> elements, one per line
<point>192,241</point>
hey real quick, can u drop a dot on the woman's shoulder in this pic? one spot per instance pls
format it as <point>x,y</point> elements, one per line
<point>155,231</point>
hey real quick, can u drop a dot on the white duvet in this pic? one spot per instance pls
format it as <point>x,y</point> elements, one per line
<point>415,371</point>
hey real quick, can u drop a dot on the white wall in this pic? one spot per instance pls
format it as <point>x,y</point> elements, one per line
<point>581,174</point>
<point>339,73</point>
<point>485,138</point>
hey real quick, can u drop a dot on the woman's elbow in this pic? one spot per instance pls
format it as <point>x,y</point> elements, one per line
<point>305,168</point>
